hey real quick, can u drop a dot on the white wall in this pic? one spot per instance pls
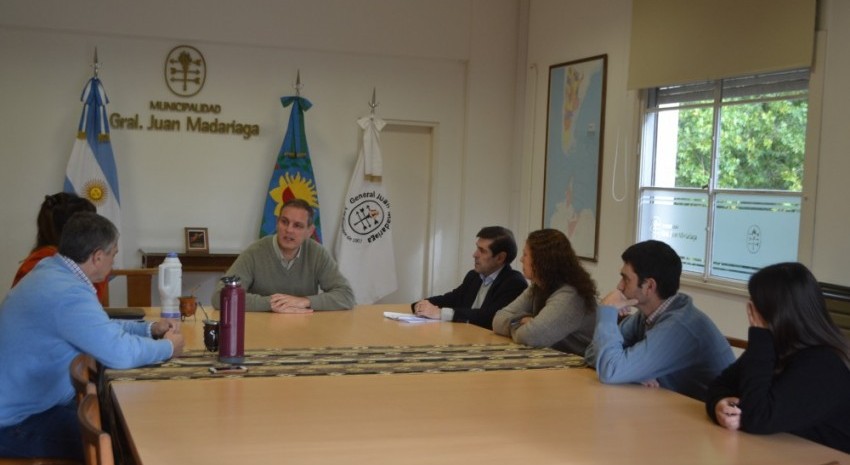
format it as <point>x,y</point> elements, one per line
<point>465,66</point>
<point>563,31</point>
<point>560,32</point>
<point>831,252</point>
<point>449,64</point>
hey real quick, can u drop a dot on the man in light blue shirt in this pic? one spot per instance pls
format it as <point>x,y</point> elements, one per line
<point>668,342</point>
<point>50,317</point>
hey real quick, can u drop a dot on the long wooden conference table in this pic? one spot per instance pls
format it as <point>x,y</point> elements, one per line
<point>469,416</point>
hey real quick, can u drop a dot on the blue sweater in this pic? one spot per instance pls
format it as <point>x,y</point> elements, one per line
<point>683,350</point>
<point>45,321</point>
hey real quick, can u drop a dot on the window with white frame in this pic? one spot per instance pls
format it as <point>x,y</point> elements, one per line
<point>721,173</point>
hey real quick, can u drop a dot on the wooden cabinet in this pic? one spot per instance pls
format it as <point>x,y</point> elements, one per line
<point>138,285</point>
<point>140,280</point>
<point>192,261</point>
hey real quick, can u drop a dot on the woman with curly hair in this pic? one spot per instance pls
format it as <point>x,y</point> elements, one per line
<point>557,310</point>
<point>795,374</point>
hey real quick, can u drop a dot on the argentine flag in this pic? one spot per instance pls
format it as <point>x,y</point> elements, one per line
<point>91,171</point>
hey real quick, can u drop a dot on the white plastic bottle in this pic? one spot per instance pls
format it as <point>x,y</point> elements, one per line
<point>170,287</point>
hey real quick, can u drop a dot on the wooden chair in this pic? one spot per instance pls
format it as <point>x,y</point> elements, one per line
<point>735,342</point>
<point>97,444</point>
<point>83,375</point>
<point>838,305</point>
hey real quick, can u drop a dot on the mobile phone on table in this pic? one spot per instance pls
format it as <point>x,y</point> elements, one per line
<point>228,369</point>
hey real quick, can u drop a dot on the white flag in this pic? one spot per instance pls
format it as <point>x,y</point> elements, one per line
<point>364,248</point>
<point>91,171</point>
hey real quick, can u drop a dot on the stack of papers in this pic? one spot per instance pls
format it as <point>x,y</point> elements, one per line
<point>407,317</point>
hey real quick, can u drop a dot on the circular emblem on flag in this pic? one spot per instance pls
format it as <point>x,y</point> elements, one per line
<point>366,217</point>
<point>185,70</point>
<point>96,191</point>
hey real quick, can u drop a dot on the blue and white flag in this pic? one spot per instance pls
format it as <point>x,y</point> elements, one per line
<point>91,171</point>
<point>364,248</point>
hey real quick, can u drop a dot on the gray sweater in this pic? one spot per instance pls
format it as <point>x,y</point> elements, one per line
<point>564,323</point>
<point>263,274</point>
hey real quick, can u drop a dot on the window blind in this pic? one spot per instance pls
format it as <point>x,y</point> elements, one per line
<point>783,82</point>
<point>681,41</point>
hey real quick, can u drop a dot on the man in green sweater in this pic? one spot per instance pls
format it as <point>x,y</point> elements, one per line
<point>284,272</point>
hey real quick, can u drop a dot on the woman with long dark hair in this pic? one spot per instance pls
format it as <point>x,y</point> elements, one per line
<point>795,374</point>
<point>557,310</point>
<point>55,211</point>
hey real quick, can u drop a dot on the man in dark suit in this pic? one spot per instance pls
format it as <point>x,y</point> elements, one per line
<point>487,288</point>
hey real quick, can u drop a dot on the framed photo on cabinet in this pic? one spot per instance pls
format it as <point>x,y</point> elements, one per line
<point>197,240</point>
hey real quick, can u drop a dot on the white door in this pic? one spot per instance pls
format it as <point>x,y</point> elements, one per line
<point>407,153</point>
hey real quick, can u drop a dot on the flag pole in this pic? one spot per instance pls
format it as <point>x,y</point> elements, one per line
<point>373,104</point>
<point>96,64</point>
<point>298,85</point>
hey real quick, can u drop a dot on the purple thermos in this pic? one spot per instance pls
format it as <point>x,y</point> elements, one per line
<point>231,347</point>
